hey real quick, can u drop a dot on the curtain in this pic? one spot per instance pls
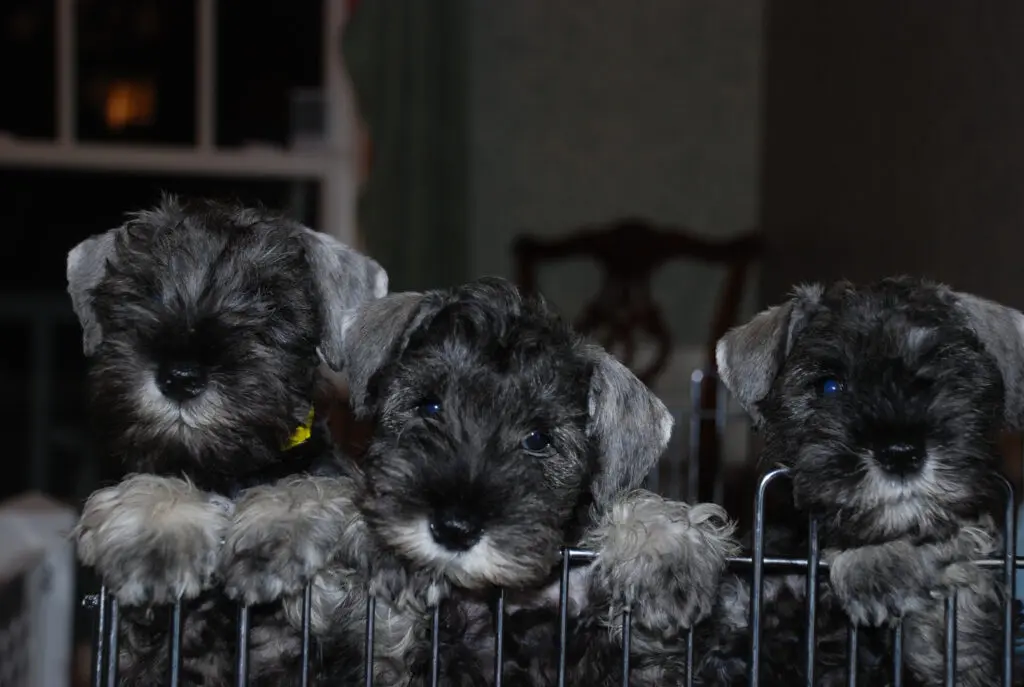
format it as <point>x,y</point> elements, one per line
<point>406,60</point>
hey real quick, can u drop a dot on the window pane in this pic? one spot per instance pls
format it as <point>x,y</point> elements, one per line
<point>27,64</point>
<point>269,54</point>
<point>136,70</point>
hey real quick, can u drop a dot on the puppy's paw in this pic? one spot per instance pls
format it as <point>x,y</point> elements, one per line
<point>878,585</point>
<point>153,540</point>
<point>661,559</point>
<point>283,534</point>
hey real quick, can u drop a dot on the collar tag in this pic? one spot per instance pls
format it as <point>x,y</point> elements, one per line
<point>302,433</point>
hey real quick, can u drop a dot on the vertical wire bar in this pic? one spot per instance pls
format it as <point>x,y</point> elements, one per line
<point>693,460</point>
<point>627,628</point>
<point>950,647</point>
<point>307,610</point>
<point>67,76</point>
<point>177,625</point>
<point>435,646</point>
<point>897,655</point>
<point>1010,582</point>
<point>112,650</point>
<point>100,640</point>
<point>563,616</point>
<point>813,558</point>
<point>206,72</point>
<point>499,637</point>
<point>689,657</point>
<point>851,655</point>
<point>757,583</point>
<point>721,417</point>
<point>371,613</point>
<point>242,647</point>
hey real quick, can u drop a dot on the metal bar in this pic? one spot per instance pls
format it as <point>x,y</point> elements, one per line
<point>627,627</point>
<point>1010,581</point>
<point>99,639</point>
<point>563,614</point>
<point>851,655</point>
<point>950,647</point>
<point>177,625</point>
<point>242,647</point>
<point>499,637</point>
<point>897,655</point>
<point>721,417</point>
<point>693,473</point>
<point>112,650</point>
<point>813,557</point>
<point>757,583</point>
<point>689,658</point>
<point>371,615</point>
<point>67,77</point>
<point>307,610</point>
<point>435,647</point>
<point>206,73</point>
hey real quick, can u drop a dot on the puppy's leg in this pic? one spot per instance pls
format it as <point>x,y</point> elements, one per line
<point>283,534</point>
<point>662,559</point>
<point>153,539</point>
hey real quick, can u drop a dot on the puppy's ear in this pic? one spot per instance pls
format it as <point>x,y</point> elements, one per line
<point>86,267</point>
<point>345,279</point>
<point>630,424</point>
<point>749,356</point>
<point>1001,331</point>
<point>374,334</point>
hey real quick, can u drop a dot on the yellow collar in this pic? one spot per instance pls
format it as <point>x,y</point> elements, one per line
<point>302,433</point>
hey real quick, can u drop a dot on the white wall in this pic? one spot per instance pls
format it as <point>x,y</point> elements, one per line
<point>585,111</point>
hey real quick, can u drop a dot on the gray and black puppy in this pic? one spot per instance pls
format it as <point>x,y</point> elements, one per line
<point>501,436</point>
<point>885,401</point>
<point>206,327</point>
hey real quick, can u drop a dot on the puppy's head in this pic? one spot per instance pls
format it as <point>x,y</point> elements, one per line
<point>885,400</point>
<point>498,429</point>
<point>205,325</point>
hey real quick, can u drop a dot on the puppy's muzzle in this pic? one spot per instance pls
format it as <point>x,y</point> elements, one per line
<point>901,458</point>
<point>455,529</point>
<point>181,380</point>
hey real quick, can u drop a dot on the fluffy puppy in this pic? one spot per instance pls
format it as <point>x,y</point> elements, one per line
<point>500,437</point>
<point>885,401</point>
<point>205,326</point>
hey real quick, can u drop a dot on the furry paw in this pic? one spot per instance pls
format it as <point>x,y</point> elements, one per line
<point>151,539</point>
<point>283,534</point>
<point>878,585</point>
<point>661,559</point>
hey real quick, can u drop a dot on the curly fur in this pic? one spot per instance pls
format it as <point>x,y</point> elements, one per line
<point>840,380</point>
<point>247,306</point>
<point>456,380</point>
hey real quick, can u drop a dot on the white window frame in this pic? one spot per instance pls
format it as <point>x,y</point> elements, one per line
<point>333,164</point>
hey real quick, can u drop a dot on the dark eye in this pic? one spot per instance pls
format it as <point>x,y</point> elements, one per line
<point>536,442</point>
<point>429,407</point>
<point>830,385</point>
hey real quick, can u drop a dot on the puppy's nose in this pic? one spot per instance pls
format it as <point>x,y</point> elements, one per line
<point>455,529</point>
<point>181,381</point>
<point>901,457</point>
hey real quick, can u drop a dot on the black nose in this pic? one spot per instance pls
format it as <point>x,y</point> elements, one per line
<point>455,529</point>
<point>900,457</point>
<point>181,381</point>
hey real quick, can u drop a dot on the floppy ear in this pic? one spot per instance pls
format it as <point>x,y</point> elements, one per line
<point>1001,331</point>
<point>373,334</point>
<point>749,357</point>
<point>631,425</point>
<point>345,279</point>
<point>86,267</point>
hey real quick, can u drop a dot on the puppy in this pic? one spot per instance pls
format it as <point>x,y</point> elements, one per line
<point>205,326</point>
<point>885,401</point>
<point>500,437</point>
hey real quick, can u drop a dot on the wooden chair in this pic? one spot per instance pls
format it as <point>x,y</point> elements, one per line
<point>629,251</point>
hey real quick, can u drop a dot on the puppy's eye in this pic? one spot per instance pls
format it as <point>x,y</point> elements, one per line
<point>830,386</point>
<point>429,407</point>
<point>536,442</point>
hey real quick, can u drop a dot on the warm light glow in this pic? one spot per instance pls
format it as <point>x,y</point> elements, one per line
<point>129,103</point>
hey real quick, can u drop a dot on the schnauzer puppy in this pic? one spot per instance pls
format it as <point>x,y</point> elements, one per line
<point>501,436</point>
<point>885,401</point>
<point>206,326</point>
